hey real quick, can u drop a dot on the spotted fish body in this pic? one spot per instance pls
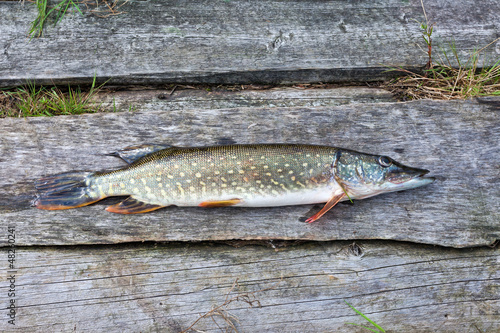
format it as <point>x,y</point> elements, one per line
<point>239,175</point>
<point>275,176</point>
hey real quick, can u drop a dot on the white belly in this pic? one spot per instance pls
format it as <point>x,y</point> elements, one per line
<point>303,197</point>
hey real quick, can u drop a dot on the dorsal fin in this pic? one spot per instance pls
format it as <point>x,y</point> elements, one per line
<point>131,154</point>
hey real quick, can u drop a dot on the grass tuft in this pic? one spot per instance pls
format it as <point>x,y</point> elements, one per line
<point>443,80</point>
<point>33,101</point>
<point>46,13</point>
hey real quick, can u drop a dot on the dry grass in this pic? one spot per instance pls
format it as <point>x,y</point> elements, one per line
<point>442,79</point>
<point>227,322</point>
<point>104,8</point>
<point>219,314</point>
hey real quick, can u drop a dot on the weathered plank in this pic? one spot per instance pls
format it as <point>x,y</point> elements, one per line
<point>165,288</point>
<point>457,141</point>
<point>179,99</point>
<point>240,41</point>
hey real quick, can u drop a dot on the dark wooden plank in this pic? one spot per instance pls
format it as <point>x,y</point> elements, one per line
<point>457,141</point>
<point>240,41</point>
<point>165,288</point>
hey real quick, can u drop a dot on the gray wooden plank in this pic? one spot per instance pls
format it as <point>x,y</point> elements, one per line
<point>221,98</point>
<point>240,41</point>
<point>457,141</point>
<point>165,288</point>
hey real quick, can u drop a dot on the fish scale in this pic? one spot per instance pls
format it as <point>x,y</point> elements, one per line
<point>259,175</point>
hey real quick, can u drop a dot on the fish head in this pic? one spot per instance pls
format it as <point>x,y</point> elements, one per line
<point>365,175</point>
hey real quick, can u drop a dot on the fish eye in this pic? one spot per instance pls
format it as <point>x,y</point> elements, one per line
<point>384,161</point>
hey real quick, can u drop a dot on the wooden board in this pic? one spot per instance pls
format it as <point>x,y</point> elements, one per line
<point>220,98</point>
<point>240,41</point>
<point>165,288</point>
<point>457,141</point>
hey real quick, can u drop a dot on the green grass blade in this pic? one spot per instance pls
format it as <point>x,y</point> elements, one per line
<point>58,10</point>
<point>368,328</point>
<point>347,195</point>
<point>367,319</point>
<point>77,8</point>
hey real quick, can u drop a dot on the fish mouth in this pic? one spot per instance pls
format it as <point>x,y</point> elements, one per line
<point>413,178</point>
<point>420,180</point>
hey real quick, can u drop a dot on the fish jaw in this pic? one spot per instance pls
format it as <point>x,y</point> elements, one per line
<point>400,177</point>
<point>370,191</point>
<point>416,182</point>
<point>413,178</point>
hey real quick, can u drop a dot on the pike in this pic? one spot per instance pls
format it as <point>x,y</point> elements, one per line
<point>259,175</point>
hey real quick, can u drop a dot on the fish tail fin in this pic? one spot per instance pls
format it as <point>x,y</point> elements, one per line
<point>65,191</point>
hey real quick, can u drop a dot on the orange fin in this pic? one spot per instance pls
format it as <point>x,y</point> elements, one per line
<point>332,202</point>
<point>220,203</point>
<point>41,203</point>
<point>132,206</point>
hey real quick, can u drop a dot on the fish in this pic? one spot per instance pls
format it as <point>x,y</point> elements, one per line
<point>251,175</point>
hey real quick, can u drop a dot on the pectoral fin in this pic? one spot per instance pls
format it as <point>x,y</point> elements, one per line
<point>132,206</point>
<point>220,203</point>
<point>332,202</point>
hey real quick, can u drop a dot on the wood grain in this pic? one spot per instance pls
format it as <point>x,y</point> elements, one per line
<point>165,288</point>
<point>66,281</point>
<point>240,41</point>
<point>179,99</point>
<point>457,141</point>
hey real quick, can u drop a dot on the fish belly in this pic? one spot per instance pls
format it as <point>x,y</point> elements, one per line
<point>309,196</point>
<point>304,197</point>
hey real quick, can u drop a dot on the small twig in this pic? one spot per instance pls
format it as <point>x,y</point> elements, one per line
<point>221,310</point>
<point>172,91</point>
